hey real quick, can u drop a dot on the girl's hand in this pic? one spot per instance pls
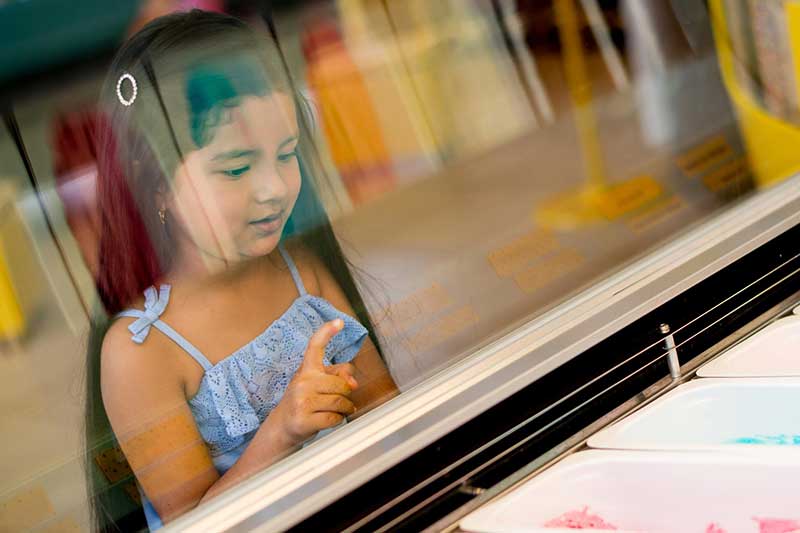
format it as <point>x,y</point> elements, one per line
<point>318,397</point>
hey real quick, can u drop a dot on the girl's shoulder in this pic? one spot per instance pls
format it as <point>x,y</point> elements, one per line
<point>131,371</point>
<point>142,385</point>
<point>119,346</point>
<point>123,353</point>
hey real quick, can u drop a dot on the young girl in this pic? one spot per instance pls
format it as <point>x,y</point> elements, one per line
<point>234,338</point>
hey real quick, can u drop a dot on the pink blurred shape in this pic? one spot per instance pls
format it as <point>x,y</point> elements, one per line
<point>579,520</point>
<point>777,525</point>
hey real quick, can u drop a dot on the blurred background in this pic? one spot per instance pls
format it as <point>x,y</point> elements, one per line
<point>484,159</point>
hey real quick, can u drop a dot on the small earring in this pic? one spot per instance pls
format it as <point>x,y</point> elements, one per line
<point>162,215</point>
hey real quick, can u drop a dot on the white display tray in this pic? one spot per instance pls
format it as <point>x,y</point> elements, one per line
<point>655,492</point>
<point>773,352</point>
<point>713,413</point>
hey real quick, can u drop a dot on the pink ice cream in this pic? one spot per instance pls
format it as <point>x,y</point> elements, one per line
<point>714,528</point>
<point>773,525</point>
<point>579,520</point>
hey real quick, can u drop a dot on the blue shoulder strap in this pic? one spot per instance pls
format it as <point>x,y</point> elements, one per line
<point>154,305</point>
<point>298,281</point>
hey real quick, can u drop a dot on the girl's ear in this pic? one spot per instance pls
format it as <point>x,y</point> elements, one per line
<point>162,197</point>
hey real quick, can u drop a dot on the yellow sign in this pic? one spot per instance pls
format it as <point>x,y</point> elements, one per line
<point>446,327</point>
<point>26,509</point>
<point>628,196</point>
<point>516,255</point>
<point>655,214</point>
<point>702,157</point>
<point>422,303</point>
<point>548,270</point>
<point>731,173</point>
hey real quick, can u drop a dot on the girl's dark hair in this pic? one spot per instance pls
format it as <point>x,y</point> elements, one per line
<point>139,147</point>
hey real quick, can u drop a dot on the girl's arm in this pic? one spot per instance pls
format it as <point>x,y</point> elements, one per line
<point>375,384</point>
<point>145,401</point>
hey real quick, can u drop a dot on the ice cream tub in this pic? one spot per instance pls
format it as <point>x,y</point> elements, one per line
<point>758,414</point>
<point>772,352</point>
<point>612,490</point>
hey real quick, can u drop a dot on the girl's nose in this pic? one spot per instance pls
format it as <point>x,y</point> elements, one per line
<point>268,186</point>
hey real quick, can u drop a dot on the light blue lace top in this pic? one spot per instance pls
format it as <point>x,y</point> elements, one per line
<point>238,392</point>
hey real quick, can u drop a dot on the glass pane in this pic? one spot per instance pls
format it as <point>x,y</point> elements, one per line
<point>532,149</point>
<point>432,174</point>
<point>43,326</point>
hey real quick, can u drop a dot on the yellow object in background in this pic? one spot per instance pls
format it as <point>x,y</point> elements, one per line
<point>772,144</point>
<point>26,509</point>
<point>12,318</point>
<point>579,207</point>
<point>22,280</point>
<point>708,154</point>
<point>628,196</point>
<point>729,174</point>
<point>12,321</point>
<point>580,88</point>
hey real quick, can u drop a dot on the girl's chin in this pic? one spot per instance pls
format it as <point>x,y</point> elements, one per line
<point>264,246</point>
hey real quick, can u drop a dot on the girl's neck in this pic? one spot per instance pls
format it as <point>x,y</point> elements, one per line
<point>193,268</point>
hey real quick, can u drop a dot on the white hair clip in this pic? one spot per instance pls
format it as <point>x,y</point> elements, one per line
<point>122,99</point>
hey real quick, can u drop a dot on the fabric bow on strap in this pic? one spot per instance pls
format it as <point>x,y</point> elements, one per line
<point>154,305</point>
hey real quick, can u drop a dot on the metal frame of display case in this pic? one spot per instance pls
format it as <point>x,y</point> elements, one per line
<point>308,483</point>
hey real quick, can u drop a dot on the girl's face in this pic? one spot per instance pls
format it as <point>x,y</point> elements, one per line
<point>231,198</point>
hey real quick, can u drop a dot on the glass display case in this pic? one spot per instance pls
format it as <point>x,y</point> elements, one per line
<point>552,214</point>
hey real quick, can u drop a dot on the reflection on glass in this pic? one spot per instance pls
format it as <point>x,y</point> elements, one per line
<point>211,230</point>
<point>434,174</point>
<point>42,337</point>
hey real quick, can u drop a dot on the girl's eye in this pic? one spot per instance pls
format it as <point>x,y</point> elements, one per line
<point>236,172</point>
<point>283,158</point>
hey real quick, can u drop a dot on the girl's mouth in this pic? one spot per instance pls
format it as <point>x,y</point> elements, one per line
<point>269,224</point>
